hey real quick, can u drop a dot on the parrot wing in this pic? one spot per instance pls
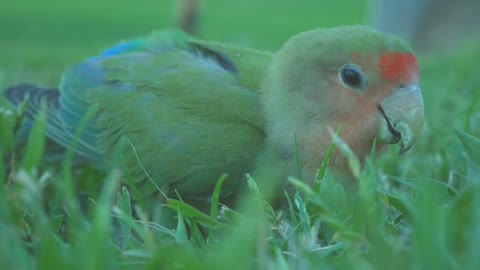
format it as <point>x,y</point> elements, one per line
<point>186,111</point>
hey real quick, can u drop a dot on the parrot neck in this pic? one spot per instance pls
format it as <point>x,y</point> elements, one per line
<point>312,146</point>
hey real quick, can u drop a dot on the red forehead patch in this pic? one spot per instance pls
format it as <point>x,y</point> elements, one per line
<point>398,66</point>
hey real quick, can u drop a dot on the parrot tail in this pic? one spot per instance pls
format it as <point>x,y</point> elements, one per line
<point>18,93</point>
<point>59,136</point>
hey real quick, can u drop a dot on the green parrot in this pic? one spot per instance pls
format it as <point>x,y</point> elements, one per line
<point>188,111</point>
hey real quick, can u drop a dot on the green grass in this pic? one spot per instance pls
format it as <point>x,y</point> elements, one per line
<point>415,211</point>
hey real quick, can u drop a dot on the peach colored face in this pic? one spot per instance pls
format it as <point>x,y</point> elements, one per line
<point>386,86</point>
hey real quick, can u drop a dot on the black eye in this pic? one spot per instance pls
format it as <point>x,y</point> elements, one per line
<point>351,76</point>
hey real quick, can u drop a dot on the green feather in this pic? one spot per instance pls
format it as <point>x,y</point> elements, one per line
<point>189,108</point>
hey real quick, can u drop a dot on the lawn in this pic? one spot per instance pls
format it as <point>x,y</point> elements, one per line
<point>420,210</point>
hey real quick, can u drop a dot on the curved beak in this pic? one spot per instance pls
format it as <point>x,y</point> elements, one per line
<point>401,117</point>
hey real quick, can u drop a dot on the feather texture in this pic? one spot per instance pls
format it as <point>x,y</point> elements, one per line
<point>186,107</point>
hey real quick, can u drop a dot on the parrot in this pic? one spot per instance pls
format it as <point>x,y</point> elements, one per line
<point>188,111</point>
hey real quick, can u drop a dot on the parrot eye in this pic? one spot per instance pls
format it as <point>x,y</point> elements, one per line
<point>351,76</point>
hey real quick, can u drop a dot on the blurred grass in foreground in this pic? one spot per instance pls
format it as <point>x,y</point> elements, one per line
<point>417,211</point>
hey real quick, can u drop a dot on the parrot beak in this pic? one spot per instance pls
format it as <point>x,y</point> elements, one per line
<point>401,117</point>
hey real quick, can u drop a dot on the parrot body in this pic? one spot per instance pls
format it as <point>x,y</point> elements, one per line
<point>187,111</point>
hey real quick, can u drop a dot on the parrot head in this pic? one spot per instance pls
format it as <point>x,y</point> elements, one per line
<point>353,79</point>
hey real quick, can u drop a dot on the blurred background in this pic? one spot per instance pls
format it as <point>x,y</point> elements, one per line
<point>429,25</point>
<point>32,29</point>
<point>264,24</point>
<point>61,32</point>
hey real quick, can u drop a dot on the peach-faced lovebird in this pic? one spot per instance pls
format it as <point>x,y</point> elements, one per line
<point>188,111</point>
